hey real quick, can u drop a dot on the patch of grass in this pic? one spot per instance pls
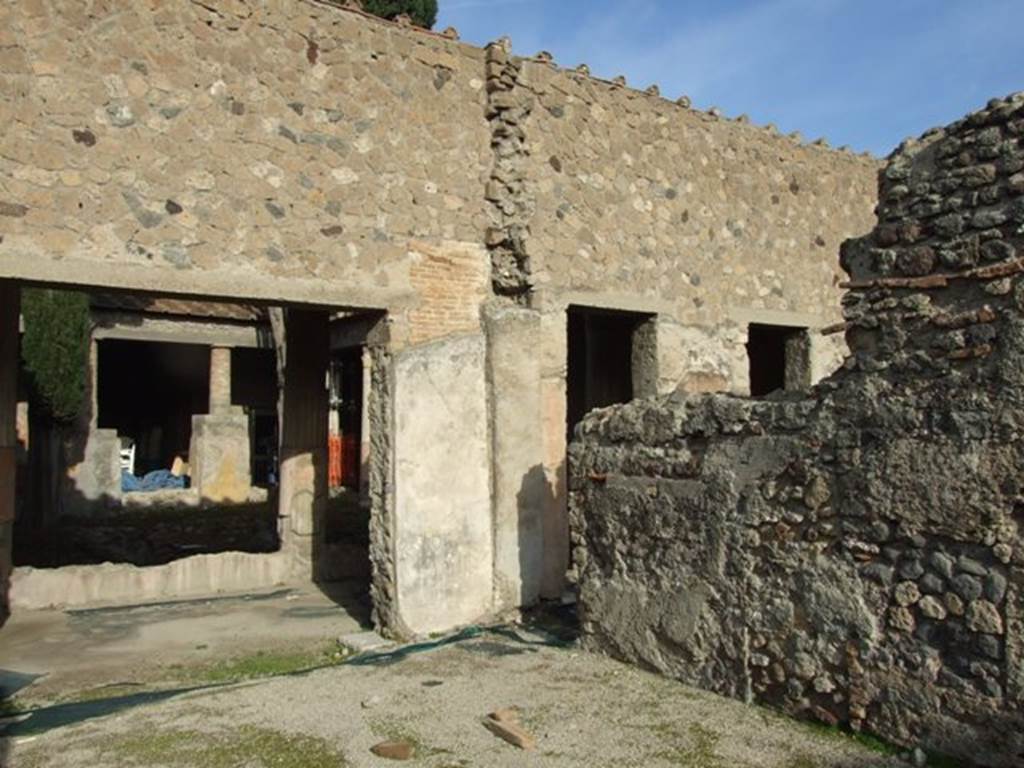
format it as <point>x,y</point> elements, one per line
<point>246,745</point>
<point>112,691</point>
<point>698,752</point>
<point>263,664</point>
<point>865,740</point>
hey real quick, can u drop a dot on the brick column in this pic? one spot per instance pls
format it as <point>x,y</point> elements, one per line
<point>9,310</point>
<point>220,379</point>
<point>303,411</point>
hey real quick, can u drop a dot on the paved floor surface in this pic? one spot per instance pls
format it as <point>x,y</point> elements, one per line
<point>48,653</point>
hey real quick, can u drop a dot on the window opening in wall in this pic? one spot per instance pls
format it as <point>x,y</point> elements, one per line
<point>779,358</point>
<point>612,359</point>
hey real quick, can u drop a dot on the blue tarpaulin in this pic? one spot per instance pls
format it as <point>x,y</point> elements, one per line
<point>156,480</point>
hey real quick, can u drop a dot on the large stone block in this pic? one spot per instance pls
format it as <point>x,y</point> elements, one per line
<point>95,481</point>
<point>219,457</point>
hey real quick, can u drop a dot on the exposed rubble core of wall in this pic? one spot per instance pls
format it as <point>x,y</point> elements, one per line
<point>508,108</point>
<point>151,536</point>
<point>852,554</point>
<point>382,586</point>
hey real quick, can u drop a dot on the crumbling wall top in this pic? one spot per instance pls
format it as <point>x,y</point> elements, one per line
<point>934,283</point>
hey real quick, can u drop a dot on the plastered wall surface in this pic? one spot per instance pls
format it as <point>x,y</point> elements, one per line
<point>443,541</point>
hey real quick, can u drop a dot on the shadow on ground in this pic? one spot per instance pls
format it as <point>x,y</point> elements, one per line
<point>33,721</point>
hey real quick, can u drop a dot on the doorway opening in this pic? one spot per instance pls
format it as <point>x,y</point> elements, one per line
<point>612,358</point>
<point>356,338</point>
<point>779,358</point>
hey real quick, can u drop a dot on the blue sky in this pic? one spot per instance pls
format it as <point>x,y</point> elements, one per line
<point>860,72</point>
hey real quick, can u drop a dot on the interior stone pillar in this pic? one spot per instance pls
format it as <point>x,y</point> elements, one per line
<point>92,383</point>
<point>303,412</point>
<point>9,312</point>
<point>219,452</point>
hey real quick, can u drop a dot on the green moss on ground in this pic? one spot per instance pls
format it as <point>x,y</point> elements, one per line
<point>246,745</point>
<point>262,664</point>
<point>697,750</point>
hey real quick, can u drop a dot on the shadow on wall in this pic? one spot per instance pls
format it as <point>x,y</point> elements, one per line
<point>533,500</point>
<point>542,535</point>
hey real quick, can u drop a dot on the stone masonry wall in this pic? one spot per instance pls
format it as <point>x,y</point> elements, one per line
<point>852,554</point>
<point>638,195</point>
<point>298,152</point>
<point>235,142</point>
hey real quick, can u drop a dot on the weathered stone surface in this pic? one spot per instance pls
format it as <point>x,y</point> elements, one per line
<point>221,152</point>
<point>695,549</point>
<point>96,479</point>
<point>906,593</point>
<point>219,456</point>
<point>982,616</point>
<point>933,608</point>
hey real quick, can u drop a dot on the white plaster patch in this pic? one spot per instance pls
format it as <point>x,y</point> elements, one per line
<point>344,175</point>
<point>268,172</point>
<point>202,180</point>
<point>115,86</point>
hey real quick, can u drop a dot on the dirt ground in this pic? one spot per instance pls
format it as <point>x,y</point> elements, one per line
<point>312,706</point>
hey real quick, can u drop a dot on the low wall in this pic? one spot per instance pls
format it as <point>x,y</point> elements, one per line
<point>149,536</point>
<point>851,554</point>
<point>109,583</point>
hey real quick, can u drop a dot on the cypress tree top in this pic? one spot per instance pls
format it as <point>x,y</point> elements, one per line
<point>422,12</point>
